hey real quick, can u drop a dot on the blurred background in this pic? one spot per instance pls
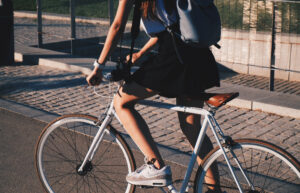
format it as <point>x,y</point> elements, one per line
<point>259,37</point>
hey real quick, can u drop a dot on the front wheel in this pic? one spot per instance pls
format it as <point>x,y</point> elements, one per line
<point>268,167</point>
<point>62,147</point>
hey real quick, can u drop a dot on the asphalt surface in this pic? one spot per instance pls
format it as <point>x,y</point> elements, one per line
<point>18,135</point>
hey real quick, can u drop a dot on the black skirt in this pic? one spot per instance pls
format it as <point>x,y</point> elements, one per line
<point>164,72</point>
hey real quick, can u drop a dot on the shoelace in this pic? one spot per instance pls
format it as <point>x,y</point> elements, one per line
<point>146,164</point>
<point>141,168</point>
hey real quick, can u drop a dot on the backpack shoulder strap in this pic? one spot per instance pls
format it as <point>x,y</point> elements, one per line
<point>135,27</point>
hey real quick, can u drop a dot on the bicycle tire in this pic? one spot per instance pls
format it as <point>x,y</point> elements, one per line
<point>269,168</point>
<point>62,147</point>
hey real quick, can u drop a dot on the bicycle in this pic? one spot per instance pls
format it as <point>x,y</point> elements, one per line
<point>81,153</point>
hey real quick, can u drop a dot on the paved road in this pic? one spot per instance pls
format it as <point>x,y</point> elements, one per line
<point>18,135</point>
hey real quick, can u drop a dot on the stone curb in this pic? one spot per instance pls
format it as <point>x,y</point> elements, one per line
<point>264,107</point>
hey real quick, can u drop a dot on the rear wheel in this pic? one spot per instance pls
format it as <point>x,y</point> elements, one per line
<point>62,147</point>
<point>268,167</point>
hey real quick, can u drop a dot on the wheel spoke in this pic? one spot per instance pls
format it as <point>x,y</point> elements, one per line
<point>62,149</point>
<point>264,163</point>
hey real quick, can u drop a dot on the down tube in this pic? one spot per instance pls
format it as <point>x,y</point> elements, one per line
<point>194,155</point>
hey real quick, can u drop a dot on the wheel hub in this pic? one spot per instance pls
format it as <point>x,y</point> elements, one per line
<point>87,168</point>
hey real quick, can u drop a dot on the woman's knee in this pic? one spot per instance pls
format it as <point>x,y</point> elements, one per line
<point>120,103</point>
<point>129,94</point>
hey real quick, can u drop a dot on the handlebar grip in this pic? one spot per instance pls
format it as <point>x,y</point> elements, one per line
<point>95,81</point>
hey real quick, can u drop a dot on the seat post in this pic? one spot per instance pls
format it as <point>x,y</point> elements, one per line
<point>212,109</point>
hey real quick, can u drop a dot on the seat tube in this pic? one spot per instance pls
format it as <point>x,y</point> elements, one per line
<point>194,154</point>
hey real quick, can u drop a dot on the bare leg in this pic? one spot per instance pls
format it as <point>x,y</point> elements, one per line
<point>132,121</point>
<point>190,125</point>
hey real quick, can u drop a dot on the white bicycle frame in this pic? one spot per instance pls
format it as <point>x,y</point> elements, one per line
<point>209,120</point>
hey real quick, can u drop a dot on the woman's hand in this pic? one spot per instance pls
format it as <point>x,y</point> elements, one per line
<point>135,57</point>
<point>146,48</point>
<point>95,78</point>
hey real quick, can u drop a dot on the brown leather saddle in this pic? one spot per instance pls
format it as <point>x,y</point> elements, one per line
<point>218,99</point>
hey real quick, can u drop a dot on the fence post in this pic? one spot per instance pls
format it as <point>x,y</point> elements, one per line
<point>73,26</point>
<point>110,15</point>
<point>272,58</point>
<point>39,20</point>
<point>7,48</point>
<point>111,11</point>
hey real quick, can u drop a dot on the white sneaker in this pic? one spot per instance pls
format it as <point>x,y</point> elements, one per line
<point>148,175</point>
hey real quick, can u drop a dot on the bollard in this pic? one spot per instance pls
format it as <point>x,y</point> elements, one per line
<point>6,33</point>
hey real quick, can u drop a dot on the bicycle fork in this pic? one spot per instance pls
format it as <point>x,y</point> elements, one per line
<point>98,138</point>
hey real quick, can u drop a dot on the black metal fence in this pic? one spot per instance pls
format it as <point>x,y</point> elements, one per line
<point>6,33</point>
<point>236,14</point>
<point>271,17</point>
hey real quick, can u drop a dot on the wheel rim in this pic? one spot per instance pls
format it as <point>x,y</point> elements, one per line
<point>97,176</point>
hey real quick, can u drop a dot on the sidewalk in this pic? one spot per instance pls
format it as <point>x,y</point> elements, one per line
<point>250,98</point>
<point>56,86</point>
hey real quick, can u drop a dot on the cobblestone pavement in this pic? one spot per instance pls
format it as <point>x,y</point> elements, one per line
<point>283,86</point>
<point>25,30</point>
<point>62,92</point>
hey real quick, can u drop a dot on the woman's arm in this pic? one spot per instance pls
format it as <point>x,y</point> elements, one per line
<point>146,48</point>
<point>116,29</point>
<point>113,36</point>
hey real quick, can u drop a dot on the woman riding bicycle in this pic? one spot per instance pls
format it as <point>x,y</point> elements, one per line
<point>163,74</point>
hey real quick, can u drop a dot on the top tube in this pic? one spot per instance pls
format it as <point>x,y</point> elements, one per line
<point>194,110</point>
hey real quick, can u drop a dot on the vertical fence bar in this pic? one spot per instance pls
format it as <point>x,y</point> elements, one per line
<point>6,32</point>
<point>39,20</point>
<point>272,58</point>
<point>110,15</point>
<point>73,26</point>
<point>111,11</point>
